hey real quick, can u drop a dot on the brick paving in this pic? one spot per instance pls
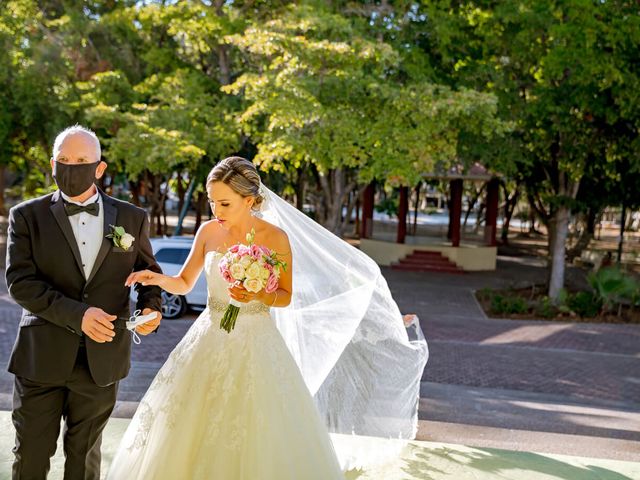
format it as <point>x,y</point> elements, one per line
<point>579,362</point>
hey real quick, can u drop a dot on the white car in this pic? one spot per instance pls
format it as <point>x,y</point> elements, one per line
<point>171,253</point>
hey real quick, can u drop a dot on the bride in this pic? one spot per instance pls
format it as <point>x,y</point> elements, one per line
<point>326,351</point>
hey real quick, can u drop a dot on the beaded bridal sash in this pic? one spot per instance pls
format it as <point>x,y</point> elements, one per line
<point>248,309</point>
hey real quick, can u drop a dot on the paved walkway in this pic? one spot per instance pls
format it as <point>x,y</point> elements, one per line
<point>565,388</point>
<point>416,460</point>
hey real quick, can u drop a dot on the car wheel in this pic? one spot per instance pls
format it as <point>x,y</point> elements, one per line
<point>173,306</point>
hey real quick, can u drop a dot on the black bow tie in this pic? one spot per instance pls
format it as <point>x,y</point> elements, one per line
<point>74,208</point>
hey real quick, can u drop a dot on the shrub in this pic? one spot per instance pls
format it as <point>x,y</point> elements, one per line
<point>503,304</point>
<point>545,308</point>
<point>585,304</point>
<point>484,293</point>
<point>613,286</point>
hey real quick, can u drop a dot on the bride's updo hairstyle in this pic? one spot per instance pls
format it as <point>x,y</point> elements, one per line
<point>239,174</point>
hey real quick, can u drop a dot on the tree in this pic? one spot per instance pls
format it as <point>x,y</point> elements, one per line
<point>565,75</point>
<point>320,92</point>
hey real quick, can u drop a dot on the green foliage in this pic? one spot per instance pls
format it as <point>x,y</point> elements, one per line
<point>546,308</point>
<point>389,206</point>
<point>508,304</point>
<point>545,93</point>
<point>320,90</point>
<point>585,304</point>
<point>613,286</point>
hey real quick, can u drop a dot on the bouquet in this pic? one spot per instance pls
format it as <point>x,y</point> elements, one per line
<point>254,267</point>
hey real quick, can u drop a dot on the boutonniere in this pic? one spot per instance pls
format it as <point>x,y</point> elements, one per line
<point>121,238</point>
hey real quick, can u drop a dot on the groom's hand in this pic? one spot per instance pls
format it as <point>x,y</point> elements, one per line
<point>148,327</point>
<point>98,325</point>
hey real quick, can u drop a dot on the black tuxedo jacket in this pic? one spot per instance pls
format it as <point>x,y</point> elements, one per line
<point>45,276</point>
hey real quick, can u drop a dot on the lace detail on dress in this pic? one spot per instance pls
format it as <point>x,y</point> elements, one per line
<point>145,420</point>
<point>227,405</point>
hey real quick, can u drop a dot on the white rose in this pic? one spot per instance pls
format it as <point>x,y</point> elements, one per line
<point>252,285</point>
<point>253,272</point>
<point>246,261</point>
<point>237,271</point>
<point>264,274</point>
<point>126,241</point>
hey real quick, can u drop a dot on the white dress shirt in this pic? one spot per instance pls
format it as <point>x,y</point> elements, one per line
<point>88,230</point>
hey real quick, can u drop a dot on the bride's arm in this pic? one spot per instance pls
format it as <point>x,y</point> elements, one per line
<point>282,296</point>
<point>182,283</point>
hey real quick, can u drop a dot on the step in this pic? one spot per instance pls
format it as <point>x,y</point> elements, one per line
<point>435,261</point>
<point>426,253</point>
<point>426,268</point>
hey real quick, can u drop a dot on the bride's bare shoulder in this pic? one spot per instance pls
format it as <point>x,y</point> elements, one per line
<point>207,228</point>
<point>274,234</point>
<point>208,232</point>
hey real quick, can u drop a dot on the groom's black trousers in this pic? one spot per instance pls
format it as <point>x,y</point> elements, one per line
<point>37,411</point>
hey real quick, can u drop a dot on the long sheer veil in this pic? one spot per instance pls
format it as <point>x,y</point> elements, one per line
<point>346,333</point>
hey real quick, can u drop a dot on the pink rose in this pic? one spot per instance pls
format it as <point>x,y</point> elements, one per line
<point>256,252</point>
<point>223,266</point>
<point>227,276</point>
<point>234,249</point>
<point>243,250</point>
<point>272,284</point>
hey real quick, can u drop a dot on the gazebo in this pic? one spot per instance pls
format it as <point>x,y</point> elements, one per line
<point>434,253</point>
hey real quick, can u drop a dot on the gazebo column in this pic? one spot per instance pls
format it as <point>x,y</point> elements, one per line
<point>366,227</point>
<point>493,195</point>
<point>403,209</point>
<point>455,211</point>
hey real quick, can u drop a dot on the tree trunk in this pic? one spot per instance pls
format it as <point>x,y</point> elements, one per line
<point>334,192</point>
<point>416,208</point>
<point>352,201</point>
<point>3,209</point>
<point>300,184</point>
<point>356,226</point>
<point>199,208</point>
<point>164,215</point>
<point>585,237</point>
<point>510,202</point>
<point>623,218</point>
<point>480,218</point>
<point>222,50</point>
<point>152,188</point>
<point>181,190</point>
<point>472,203</point>
<point>134,187</point>
<point>567,190</point>
<point>557,251</point>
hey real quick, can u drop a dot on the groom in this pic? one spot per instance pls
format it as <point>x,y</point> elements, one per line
<point>72,346</point>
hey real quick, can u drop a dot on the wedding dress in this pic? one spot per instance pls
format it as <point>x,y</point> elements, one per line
<point>257,403</point>
<point>227,406</point>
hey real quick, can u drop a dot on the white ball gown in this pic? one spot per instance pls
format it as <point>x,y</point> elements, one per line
<point>227,406</point>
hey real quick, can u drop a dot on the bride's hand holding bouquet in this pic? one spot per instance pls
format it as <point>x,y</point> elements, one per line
<point>253,273</point>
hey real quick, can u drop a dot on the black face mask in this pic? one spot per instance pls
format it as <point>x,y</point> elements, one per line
<point>74,179</point>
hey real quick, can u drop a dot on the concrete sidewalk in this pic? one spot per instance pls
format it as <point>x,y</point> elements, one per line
<point>416,460</point>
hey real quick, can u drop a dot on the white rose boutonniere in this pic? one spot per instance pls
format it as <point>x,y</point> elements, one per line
<point>121,238</point>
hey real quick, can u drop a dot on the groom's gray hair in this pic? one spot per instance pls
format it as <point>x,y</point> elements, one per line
<point>72,131</point>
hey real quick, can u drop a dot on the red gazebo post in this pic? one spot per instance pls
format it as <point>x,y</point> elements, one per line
<point>403,208</point>
<point>366,227</point>
<point>456,211</point>
<point>493,195</point>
